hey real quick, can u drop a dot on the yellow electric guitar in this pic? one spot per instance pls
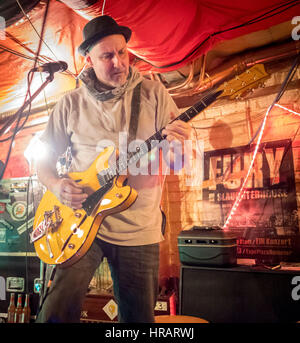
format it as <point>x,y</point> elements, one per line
<point>62,235</point>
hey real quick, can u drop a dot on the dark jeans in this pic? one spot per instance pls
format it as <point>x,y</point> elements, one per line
<point>134,270</point>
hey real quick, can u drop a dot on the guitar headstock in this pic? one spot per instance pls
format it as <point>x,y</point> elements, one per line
<point>253,77</point>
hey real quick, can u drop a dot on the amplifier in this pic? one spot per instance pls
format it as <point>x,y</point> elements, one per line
<point>207,246</point>
<point>19,197</point>
<point>239,294</point>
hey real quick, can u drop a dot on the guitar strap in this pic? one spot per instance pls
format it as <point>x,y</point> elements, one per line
<point>133,125</point>
<point>135,111</point>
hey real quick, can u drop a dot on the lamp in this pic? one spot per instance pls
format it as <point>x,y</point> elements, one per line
<point>35,151</point>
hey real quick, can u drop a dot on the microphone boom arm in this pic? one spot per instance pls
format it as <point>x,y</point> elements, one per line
<point>26,103</point>
<point>18,114</point>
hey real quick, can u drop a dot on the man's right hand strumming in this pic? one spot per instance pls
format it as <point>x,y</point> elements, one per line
<point>67,191</point>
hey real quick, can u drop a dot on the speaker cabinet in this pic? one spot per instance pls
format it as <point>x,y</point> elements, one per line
<point>240,294</point>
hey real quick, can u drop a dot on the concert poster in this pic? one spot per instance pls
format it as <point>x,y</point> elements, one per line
<point>266,220</point>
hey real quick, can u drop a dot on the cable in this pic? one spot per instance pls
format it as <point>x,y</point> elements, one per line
<point>287,109</point>
<point>29,80</point>
<point>42,32</point>
<point>19,54</point>
<point>259,132</point>
<point>283,157</point>
<point>41,36</point>
<point>27,232</point>
<point>15,52</point>
<point>16,130</point>
<point>288,78</point>
<point>103,6</point>
<point>250,22</point>
<point>23,45</point>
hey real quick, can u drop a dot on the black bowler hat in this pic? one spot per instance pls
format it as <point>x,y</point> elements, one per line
<point>99,28</point>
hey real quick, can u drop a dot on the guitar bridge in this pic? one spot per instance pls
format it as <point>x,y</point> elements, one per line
<point>49,223</point>
<point>53,223</point>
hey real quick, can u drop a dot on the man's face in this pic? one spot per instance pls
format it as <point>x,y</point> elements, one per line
<point>110,60</point>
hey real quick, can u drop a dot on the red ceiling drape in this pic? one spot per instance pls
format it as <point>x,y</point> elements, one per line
<point>167,34</point>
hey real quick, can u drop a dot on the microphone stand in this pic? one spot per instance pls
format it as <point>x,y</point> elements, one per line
<point>18,114</point>
<point>22,108</point>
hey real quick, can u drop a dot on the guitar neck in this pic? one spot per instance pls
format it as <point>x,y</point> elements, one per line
<point>250,79</point>
<point>187,115</point>
<point>132,157</point>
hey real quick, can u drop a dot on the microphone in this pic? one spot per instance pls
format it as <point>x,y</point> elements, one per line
<point>52,67</point>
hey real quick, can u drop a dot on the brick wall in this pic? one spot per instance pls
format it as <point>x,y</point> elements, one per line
<point>228,123</point>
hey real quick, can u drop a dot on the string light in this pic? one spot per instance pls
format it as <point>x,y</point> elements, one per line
<point>287,109</point>
<point>243,188</point>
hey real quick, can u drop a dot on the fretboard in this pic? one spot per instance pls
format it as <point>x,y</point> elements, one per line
<point>132,157</point>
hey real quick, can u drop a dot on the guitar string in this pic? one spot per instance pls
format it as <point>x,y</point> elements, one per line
<point>194,110</point>
<point>113,171</point>
<point>110,173</point>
